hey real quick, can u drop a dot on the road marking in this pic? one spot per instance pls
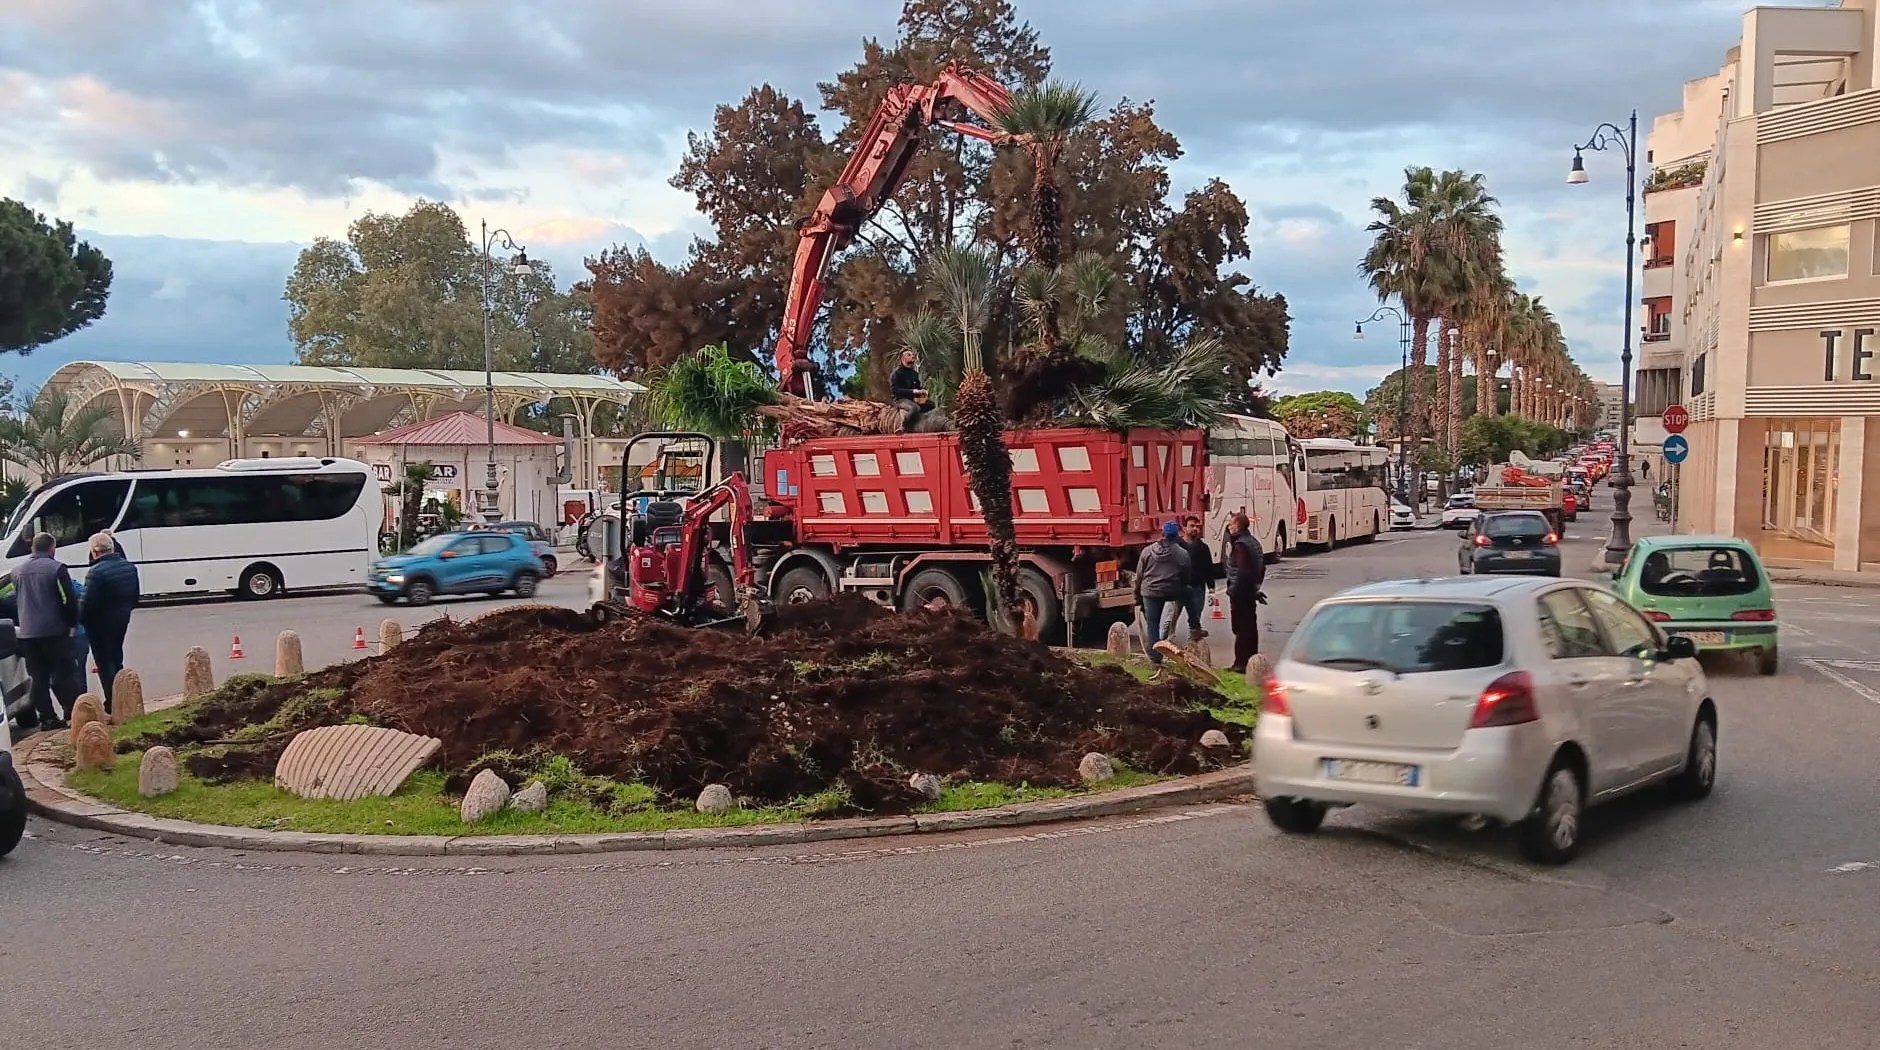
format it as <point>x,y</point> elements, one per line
<point>1858,689</point>
<point>1857,865</point>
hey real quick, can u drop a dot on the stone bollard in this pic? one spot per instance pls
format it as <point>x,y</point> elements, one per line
<point>1096,768</point>
<point>1116,643</point>
<point>156,774</point>
<point>85,710</point>
<point>390,634</point>
<point>288,662</point>
<point>716,798</point>
<point>92,749</point>
<point>198,673</point>
<point>127,696</point>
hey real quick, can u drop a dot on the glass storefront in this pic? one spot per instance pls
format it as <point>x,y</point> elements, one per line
<point>1801,469</point>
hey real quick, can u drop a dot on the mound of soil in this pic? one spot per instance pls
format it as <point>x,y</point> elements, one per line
<point>836,693</point>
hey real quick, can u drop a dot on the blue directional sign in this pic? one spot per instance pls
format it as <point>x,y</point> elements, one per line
<point>1677,448</point>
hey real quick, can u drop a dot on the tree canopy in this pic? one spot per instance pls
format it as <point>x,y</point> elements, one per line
<point>766,160</point>
<point>1321,413</point>
<point>51,283</point>
<point>406,291</point>
<point>1489,439</point>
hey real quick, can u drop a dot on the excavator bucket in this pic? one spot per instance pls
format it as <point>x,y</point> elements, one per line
<point>756,613</point>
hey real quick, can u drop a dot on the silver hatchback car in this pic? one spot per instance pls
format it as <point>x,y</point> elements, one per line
<point>1517,699</point>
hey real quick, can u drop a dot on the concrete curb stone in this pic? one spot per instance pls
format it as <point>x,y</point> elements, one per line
<point>49,796</point>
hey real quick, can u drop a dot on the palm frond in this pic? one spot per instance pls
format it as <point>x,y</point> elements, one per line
<point>710,392</point>
<point>936,341</point>
<point>1191,389</point>
<point>1052,109</point>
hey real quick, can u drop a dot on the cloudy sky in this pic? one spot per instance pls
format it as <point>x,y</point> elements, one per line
<point>200,143</point>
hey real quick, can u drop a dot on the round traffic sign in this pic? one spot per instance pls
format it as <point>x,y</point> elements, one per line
<point>1676,449</point>
<point>1676,419</point>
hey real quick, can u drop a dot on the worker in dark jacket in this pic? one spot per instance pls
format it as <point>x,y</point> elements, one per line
<point>112,590</point>
<point>905,391</point>
<point>1200,574</point>
<point>1161,586</point>
<point>1246,574</point>
<point>48,607</point>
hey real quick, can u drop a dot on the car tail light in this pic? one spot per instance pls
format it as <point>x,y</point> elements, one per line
<point>1754,614</point>
<point>1660,617</point>
<point>1273,697</point>
<point>1508,701</point>
<point>1481,540</point>
<point>1550,539</point>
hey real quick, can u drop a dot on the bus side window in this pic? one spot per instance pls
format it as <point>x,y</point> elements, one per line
<point>73,514</point>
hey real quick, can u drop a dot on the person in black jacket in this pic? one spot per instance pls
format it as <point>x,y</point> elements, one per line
<point>112,590</point>
<point>1200,574</point>
<point>905,391</point>
<point>1246,573</point>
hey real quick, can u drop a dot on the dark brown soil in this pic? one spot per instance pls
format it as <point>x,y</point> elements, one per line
<point>838,693</point>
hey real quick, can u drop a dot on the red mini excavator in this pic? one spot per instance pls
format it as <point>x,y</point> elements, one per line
<point>868,182</point>
<point>672,573</point>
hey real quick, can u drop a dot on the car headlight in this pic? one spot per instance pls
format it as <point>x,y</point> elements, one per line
<point>394,579</point>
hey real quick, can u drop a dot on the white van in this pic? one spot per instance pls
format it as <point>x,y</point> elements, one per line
<point>12,792</point>
<point>250,527</point>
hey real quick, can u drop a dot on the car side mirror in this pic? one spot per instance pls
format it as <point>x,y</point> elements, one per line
<point>1678,647</point>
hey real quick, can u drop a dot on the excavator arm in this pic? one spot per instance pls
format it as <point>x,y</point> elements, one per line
<point>695,533</point>
<point>872,176</point>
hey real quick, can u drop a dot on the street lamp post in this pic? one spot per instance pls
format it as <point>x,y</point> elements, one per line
<point>1611,136</point>
<point>1403,394</point>
<point>492,504</point>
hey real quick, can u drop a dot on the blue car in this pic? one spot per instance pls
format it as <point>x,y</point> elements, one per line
<point>458,563</point>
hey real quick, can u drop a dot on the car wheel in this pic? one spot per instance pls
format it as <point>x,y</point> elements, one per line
<point>1700,762</point>
<point>1295,816</point>
<point>1767,660</point>
<point>13,821</point>
<point>419,592</point>
<point>549,567</point>
<point>1551,834</point>
<point>525,585</point>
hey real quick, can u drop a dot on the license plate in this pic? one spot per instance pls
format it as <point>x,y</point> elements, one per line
<point>1370,772</point>
<point>1516,555</point>
<point>1706,637</point>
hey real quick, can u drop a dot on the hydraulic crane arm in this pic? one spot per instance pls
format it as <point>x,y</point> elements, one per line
<point>873,174</point>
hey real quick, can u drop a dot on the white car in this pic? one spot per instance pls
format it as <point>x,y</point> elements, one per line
<point>12,792</point>
<point>1402,517</point>
<point>1459,512</point>
<point>1518,700</point>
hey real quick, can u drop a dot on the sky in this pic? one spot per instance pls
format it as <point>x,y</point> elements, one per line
<point>201,143</point>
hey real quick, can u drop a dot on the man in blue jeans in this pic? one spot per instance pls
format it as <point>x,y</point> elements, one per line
<point>1162,571</point>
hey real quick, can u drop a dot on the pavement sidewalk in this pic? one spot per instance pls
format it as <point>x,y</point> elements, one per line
<point>1649,525</point>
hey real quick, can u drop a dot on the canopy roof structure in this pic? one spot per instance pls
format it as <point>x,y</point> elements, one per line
<point>161,400</point>
<point>458,429</point>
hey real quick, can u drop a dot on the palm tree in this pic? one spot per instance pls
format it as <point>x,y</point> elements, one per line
<point>410,492</point>
<point>1398,263</point>
<point>962,279</point>
<point>1042,120</point>
<point>55,437</point>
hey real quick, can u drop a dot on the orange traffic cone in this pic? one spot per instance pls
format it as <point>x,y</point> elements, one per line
<point>235,649</point>
<point>1215,612</point>
<point>359,638</point>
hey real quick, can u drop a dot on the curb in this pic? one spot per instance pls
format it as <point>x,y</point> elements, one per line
<point>48,796</point>
<point>1858,581</point>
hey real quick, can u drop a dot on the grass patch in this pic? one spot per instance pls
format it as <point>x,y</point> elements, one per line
<point>1239,702</point>
<point>421,807</point>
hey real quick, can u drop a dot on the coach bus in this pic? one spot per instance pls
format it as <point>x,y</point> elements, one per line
<point>1253,467</point>
<point>1343,495</point>
<point>249,527</point>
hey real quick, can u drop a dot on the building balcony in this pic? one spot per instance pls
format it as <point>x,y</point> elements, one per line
<point>1657,335</point>
<point>1659,262</point>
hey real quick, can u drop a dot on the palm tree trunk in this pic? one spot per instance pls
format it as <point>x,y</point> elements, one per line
<point>1445,391</point>
<point>1484,381</point>
<point>989,466</point>
<point>1455,390</point>
<point>1419,361</point>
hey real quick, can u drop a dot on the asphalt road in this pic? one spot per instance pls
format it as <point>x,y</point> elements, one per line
<point>1748,920</point>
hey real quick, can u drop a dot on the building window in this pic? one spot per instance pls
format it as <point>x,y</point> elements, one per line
<point>1807,255</point>
<point>1660,244</point>
<point>1801,461</point>
<point>1697,374</point>
<point>1657,319</point>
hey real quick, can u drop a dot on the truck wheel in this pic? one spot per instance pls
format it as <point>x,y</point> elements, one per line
<point>1035,589</point>
<point>805,583</point>
<point>936,588</point>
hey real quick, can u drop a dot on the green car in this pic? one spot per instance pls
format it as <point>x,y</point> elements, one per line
<point>1710,589</point>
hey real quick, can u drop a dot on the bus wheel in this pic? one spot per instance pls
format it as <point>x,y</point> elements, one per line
<point>1278,553</point>
<point>260,581</point>
<point>1377,526</point>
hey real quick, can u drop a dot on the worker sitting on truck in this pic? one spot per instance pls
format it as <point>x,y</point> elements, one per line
<point>905,389</point>
<point>1161,587</point>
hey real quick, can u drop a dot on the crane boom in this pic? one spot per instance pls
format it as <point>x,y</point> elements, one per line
<point>869,180</point>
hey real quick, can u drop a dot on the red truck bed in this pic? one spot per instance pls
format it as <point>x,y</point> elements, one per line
<point>1071,486</point>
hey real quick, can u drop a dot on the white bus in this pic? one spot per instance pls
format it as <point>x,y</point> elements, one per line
<point>1343,497</point>
<point>250,527</point>
<point>1254,467</point>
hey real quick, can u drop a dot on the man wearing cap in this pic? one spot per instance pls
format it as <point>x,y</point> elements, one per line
<point>1162,571</point>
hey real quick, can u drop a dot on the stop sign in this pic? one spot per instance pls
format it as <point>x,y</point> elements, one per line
<point>1676,419</point>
